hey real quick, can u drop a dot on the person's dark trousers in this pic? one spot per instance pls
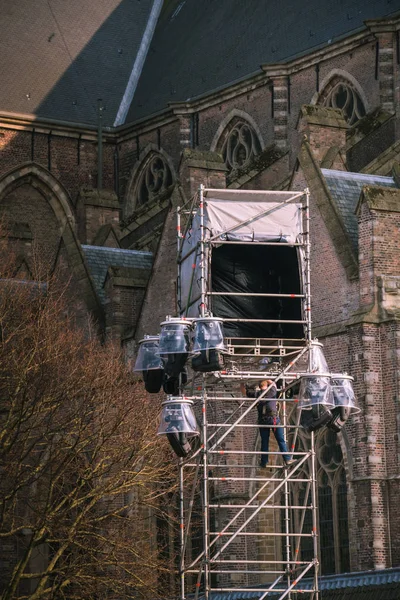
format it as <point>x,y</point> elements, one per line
<point>279,436</point>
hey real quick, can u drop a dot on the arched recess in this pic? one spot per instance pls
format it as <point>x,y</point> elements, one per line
<point>239,140</point>
<point>233,115</point>
<point>340,89</point>
<point>57,198</point>
<point>333,499</point>
<point>153,177</point>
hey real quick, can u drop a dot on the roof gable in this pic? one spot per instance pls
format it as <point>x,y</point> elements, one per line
<point>345,189</point>
<point>99,259</point>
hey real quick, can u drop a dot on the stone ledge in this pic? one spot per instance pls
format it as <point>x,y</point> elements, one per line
<point>383,163</point>
<point>263,161</point>
<point>143,213</point>
<point>95,197</point>
<point>366,125</point>
<point>368,316</point>
<point>128,277</point>
<point>378,198</point>
<point>323,116</point>
<point>203,159</point>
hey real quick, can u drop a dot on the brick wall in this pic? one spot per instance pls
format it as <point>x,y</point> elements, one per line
<point>71,160</point>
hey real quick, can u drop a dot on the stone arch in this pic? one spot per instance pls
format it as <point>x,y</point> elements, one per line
<point>347,454</point>
<point>235,114</point>
<point>336,79</point>
<point>239,140</point>
<point>41,179</point>
<point>56,196</point>
<point>165,183</point>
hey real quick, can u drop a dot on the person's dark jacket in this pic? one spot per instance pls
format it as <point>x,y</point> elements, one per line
<point>267,409</point>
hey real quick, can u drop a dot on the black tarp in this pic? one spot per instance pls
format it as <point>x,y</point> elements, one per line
<point>248,268</point>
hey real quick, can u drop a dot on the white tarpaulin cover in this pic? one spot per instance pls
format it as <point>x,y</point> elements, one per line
<point>236,216</point>
<point>250,221</point>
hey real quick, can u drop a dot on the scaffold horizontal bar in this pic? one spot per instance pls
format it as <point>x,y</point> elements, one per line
<point>258,374</point>
<point>219,242</point>
<point>302,480</point>
<point>236,466</point>
<point>262,295</point>
<point>299,454</point>
<point>259,534</point>
<point>276,342</point>
<point>294,195</point>
<point>227,572</point>
<point>264,589</point>
<point>292,321</point>
<point>237,398</point>
<point>251,425</point>
<point>259,562</point>
<point>274,506</point>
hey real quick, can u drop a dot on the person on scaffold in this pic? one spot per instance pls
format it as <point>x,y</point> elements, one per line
<point>268,415</point>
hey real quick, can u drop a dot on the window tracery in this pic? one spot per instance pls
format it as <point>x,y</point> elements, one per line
<point>332,502</point>
<point>241,146</point>
<point>155,179</point>
<point>341,94</point>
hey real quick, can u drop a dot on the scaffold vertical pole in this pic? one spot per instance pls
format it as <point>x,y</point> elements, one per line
<point>202,255</point>
<point>206,534</point>
<point>182,530</point>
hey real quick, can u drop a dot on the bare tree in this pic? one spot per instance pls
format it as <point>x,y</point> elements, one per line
<point>82,473</point>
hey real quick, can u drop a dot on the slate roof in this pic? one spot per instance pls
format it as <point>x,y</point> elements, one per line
<point>99,258</point>
<point>345,189</point>
<point>364,585</point>
<point>201,45</point>
<point>59,57</point>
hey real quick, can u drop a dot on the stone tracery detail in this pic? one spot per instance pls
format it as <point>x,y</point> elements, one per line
<point>341,94</point>
<point>156,177</point>
<point>332,501</point>
<point>241,146</point>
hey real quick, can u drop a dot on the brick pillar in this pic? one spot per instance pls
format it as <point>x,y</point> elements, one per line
<point>388,72</point>
<point>203,167</point>
<point>280,110</point>
<point>371,546</point>
<point>124,294</point>
<point>386,57</point>
<point>378,240</point>
<point>325,130</point>
<point>184,131</point>
<point>97,208</point>
<point>374,338</point>
<point>385,33</point>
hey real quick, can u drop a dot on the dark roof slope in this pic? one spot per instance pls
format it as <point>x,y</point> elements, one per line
<point>345,189</point>
<point>58,57</point>
<point>99,258</point>
<point>200,45</point>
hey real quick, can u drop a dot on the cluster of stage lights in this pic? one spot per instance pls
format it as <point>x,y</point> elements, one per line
<point>330,396</point>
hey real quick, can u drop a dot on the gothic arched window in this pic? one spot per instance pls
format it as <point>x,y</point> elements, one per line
<point>332,504</point>
<point>155,178</point>
<point>241,145</point>
<point>342,94</point>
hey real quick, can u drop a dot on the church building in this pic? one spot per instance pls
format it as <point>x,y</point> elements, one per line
<point>113,112</point>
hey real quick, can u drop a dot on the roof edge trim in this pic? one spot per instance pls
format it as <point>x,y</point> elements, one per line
<point>138,64</point>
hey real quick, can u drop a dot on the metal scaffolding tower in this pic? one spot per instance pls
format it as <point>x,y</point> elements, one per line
<point>239,524</point>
